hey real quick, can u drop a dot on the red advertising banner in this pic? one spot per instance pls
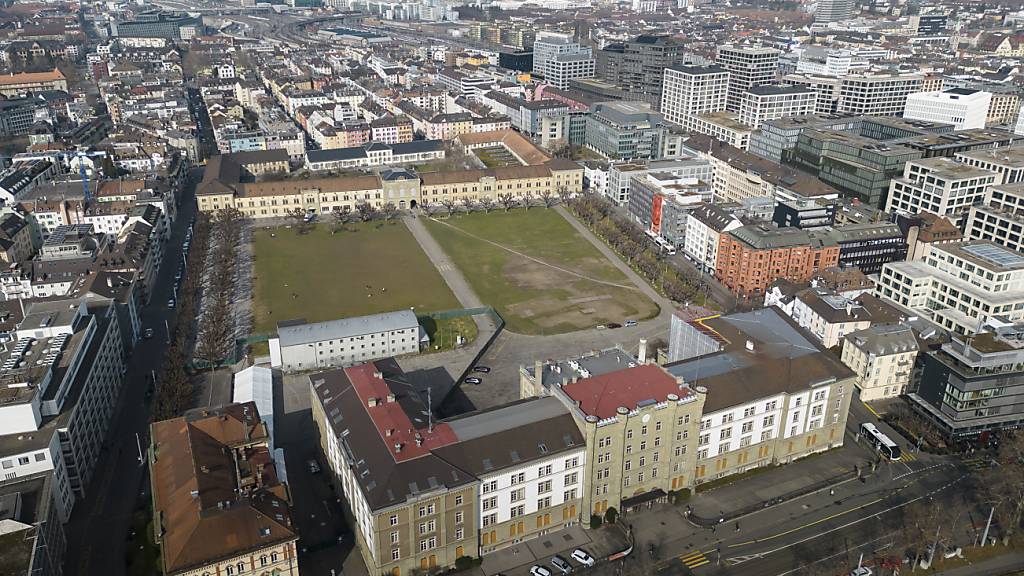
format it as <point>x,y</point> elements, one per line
<point>656,214</point>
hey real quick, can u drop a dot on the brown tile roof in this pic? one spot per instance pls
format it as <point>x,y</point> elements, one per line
<point>283,187</point>
<point>31,77</point>
<point>206,514</point>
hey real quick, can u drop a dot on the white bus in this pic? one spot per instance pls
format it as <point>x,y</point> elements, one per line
<point>880,441</point>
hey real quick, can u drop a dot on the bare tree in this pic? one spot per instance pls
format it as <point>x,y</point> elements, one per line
<point>449,205</point>
<point>507,201</point>
<point>548,198</point>
<point>299,219</point>
<point>528,199</point>
<point>487,204</point>
<point>429,209</point>
<point>389,211</point>
<point>468,204</point>
<point>340,219</point>
<point>564,194</point>
<point>366,211</point>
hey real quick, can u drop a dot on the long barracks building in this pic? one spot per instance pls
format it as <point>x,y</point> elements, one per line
<point>224,186</point>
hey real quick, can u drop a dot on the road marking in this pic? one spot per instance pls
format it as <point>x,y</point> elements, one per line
<point>816,522</point>
<point>872,410</point>
<point>741,559</point>
<point>694,559</point>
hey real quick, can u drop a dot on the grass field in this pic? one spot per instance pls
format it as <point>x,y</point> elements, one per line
<point>371,268</point>
<point>534,297</point>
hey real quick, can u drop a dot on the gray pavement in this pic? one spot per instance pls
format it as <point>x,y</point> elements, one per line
<point>1010,563</point>
<point>517,560</point>
<point>449,271</point>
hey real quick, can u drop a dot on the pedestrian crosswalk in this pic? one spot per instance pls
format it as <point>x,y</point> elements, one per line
<point>909,456</point>
<point>694,559</point>
<point>978,463</point>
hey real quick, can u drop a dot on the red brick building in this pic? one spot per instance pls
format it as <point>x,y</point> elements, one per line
<point>752,257</point>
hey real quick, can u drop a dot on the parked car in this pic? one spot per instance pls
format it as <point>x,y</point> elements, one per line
<point>314,468</point>
<point>539,571</point>
<point>580,555</point>
<point>861,571</point>
<point>600,326</point>
<point>472,380</point>
<point>562,564</point>
<point>613,325</point>
<point>147,333</point>
<point>482,369</point>
<point>170,303</point>
<point>630,323</point>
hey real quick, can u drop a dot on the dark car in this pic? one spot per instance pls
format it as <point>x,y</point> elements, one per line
<point>482,369</point>
<point>613,325</point>
<point>472,380</point>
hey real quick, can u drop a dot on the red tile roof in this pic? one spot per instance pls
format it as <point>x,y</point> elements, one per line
<point>602,395</point>
<point>391,416</point>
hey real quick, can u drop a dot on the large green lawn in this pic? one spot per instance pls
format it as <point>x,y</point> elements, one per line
<point>533,297</point>
<point>370,268</point>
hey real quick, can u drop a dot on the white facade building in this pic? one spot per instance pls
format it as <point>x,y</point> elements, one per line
<point>960,285</point>
<point>345,341</point>
<point>962,107</point>
<point>1000,218</point>
<point>690,90</point>
<point>762,103</point>
<point>704,227</point>
<point>883,358</point>
<point>939,185</point>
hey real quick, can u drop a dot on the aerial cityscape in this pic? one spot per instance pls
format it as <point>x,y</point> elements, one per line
<point>511,288</point>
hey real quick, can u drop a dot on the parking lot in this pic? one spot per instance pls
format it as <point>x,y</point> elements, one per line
<point>519,559</point>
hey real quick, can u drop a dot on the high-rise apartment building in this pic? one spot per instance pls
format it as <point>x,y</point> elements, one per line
<point>748,66</point>
<point>1000,218</point>
<point>558,55</point>
<point>833,10</point>
<point>636,66</point>
<point>692,90</point>
<point>877,94</point>
<point>762,103</point>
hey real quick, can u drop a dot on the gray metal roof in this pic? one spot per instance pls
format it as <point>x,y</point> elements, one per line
<point>346,327</point>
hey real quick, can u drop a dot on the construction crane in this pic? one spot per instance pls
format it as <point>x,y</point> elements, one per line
<point>82,155</point>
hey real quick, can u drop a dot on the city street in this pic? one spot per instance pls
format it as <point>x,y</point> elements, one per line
<point>98,529</point>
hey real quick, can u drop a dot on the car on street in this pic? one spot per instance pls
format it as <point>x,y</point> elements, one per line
<point>613,325</point>
<point>472,380</point>
<point>170,303</point>
<point>314,468</point>
<point>482,369</point>
<point>861,571</point>
<point>583,557</point>
<point>600,327</point>
<point>147,333</point>
<point>630,323</point>
<point>539,571</point>
<point>562,564</point>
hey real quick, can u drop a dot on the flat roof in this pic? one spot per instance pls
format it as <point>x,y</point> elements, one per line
<point>305,333</point>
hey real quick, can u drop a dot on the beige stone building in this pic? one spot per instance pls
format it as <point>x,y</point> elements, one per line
<point>797,407</point>
<point>883,358</point>
<point>222,187</point>
<point>640,425</point>
<point>15,239</point>
<point>219,506</point>
<point>422,494</point>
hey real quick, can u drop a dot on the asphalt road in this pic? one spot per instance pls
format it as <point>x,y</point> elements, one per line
<point>97,532</point>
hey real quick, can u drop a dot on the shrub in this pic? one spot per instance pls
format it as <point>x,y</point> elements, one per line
<point>610,515</point>
<point>595,521</point>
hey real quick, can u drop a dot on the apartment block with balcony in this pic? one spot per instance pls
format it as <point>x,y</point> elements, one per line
<point>975,384</point>
<point>999,219</point>
<point>883,358</point>
<point>959,286</point>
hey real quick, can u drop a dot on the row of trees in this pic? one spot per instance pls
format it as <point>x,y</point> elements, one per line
<point>174,386</point>
<point>506,201</point>
<point>633,245</point>
<point>217,327</point>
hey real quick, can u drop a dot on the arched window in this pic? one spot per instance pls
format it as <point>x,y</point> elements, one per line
<point>263,560</point>
<point>273,556</point>
<point>241,567</point>
<point>230,570</point>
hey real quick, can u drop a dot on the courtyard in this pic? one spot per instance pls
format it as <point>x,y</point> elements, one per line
<point>538,272</point>
<point>496,157</point>
<point>365,269</point>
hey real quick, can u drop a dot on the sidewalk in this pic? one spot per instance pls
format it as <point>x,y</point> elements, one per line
<point>1006,564</point>
<point>766,486</point>
<point>599,543</point>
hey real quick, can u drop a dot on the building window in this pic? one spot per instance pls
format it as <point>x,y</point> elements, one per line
<point>394,520</point>
<point>395,554</point>
<point>458,499</point>
<point>394,537</point>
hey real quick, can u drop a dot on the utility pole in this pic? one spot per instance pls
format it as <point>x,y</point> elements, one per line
<point>167,330</point>
<point>935,544</point>
<point>984,537</point>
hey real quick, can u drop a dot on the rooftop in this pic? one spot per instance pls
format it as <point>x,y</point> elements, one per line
<point>294,334</point>
<point>753,355</point>
<point>604,396</point>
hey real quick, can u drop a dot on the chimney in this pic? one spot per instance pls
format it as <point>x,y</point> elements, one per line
<point>641,356</point>
<point>398,447</point>
<point>389,432</point>
<point>750,345</point>
<point>378,374</point>
<point>538,371</point>
<point>391,398</point>
<point>371,402</point>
